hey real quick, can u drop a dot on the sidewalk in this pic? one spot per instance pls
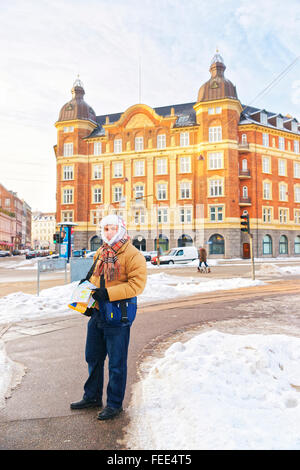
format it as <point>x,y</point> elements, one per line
<point>38,415</point>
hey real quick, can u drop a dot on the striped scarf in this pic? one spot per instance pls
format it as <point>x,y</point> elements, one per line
<point>108,263</point>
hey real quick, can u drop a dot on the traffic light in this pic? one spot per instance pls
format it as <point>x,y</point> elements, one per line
<point>56,238</point>
<point>245,223</point>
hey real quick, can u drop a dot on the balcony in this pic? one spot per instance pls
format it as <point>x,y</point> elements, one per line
<point>245,201</point>
<point>244,173</point>
<point>243,147</point>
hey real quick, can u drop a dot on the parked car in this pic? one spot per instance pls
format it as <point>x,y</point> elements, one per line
<point>4,253</point>
<point>90,254</point>
<point>179,255</point>
<point>31,254</point>
<point>16,252</point>
<point>146,255</point>
<point>80,253</point>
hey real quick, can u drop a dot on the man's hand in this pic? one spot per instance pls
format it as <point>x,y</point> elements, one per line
<point>100,294</point>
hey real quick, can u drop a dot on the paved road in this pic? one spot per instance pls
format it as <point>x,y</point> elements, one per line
<point>37,416</point>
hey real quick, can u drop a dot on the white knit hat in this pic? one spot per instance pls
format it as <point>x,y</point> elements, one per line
<point>113,219</point>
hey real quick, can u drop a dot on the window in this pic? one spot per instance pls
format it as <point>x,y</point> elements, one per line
<point>118,170</point>
<point>117,193</point>
<point>297,245</point>
<point>267,214</point>
<point>216,187</point>
<point>266,190</point>
<point>96,216</point>
<point>69,129</point>
<point>97,195</point>
<point>267,245</point>
<point>68,173</point>
<point>161,141</point>
<point>139,168</point>
<point>244,164</point>
<point>281,143</point>
<point>297,216</point>
<point>67,216</point>
<point>139,144</point>
<point>184,139</point>
<point>139,191</point>
<point>245,192</point>
<point>282,192</point>
<point>162,215</point>
<point>296,146</point>
<point>215,134</point>
<point>265,140</point>
<point>211,111</point>
<point>139,217</point>
<point>97,172</point>
<point>216,213</point>
<point>185,215</point>
<point>68,149</point>
<point>185,190</point>
<point>283,245</point>
<point>161,166</point>
<point>244,139</point>
<point>97,148</point>
<point>297,193</point>
<point>280,122</point>
<point>215,160</point>
<point>283,216</point>
<point>296,170</point>
<point>263,118</point>
<point>266,165</point>
<point>185,164</point>
<point>281,167</point>
<point>117,145</point>
<point>218,110</point>
<point>68,196</point>
<point>216,244</point>
<point>161,191</point>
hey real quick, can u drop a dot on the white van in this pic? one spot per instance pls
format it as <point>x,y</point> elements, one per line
<point>179,255</point>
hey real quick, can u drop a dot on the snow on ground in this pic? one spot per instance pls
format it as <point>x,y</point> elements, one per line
<point>220,391</point>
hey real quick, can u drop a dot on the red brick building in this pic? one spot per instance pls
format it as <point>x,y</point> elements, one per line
<point>183,173</point>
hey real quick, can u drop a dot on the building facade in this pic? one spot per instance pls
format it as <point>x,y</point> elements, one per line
<point>43,229</point>
<point>15,221</point>
<point>182,174</point>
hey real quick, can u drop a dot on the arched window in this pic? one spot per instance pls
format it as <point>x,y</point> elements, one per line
<point>163,243</point>
<point>244,164</point>
<point>297,245</point>
<point>216,245</point>
<point>267,245</point>
<point>283,245</point>
<point>95,242</point>
<point>245,192</point>
<point>185,240</point>
<point>244,138</point>
<point>139,242</point>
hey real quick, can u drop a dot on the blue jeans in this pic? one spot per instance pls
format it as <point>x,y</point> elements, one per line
<point>205,264</point>
<point>105,341</point>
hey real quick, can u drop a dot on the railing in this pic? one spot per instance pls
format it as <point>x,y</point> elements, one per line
<point>244,173</point>
<point>245,201</point>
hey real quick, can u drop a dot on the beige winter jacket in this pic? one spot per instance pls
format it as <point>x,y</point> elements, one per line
<point>133,274</point>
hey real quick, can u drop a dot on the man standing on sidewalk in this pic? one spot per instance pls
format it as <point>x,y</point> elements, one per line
<point>119,273</point>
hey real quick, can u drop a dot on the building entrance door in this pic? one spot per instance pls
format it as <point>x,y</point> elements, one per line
<point>246,250</point>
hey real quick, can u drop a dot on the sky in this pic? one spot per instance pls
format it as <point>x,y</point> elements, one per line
<point>46,44</point>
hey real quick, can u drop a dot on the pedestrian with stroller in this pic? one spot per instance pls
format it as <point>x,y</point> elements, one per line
<point>119,272</point>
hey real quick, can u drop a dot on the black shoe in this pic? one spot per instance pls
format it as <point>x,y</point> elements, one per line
<point>80,405</point>
<point>109,413</point>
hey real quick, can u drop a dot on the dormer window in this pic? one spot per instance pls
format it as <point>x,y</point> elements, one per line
<point>280,122</point>
<point>294,126</point>
<point>263,118</point>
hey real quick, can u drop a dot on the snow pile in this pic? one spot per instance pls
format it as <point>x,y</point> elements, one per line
<point>220,391</point>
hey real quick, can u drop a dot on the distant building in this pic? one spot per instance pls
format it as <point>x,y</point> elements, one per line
<point>184,173</point>
<point>15,221</point>
<point>43,228</point>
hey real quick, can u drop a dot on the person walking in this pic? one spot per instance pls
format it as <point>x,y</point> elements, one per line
<point>119,273</point>
<point>203,259</point>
